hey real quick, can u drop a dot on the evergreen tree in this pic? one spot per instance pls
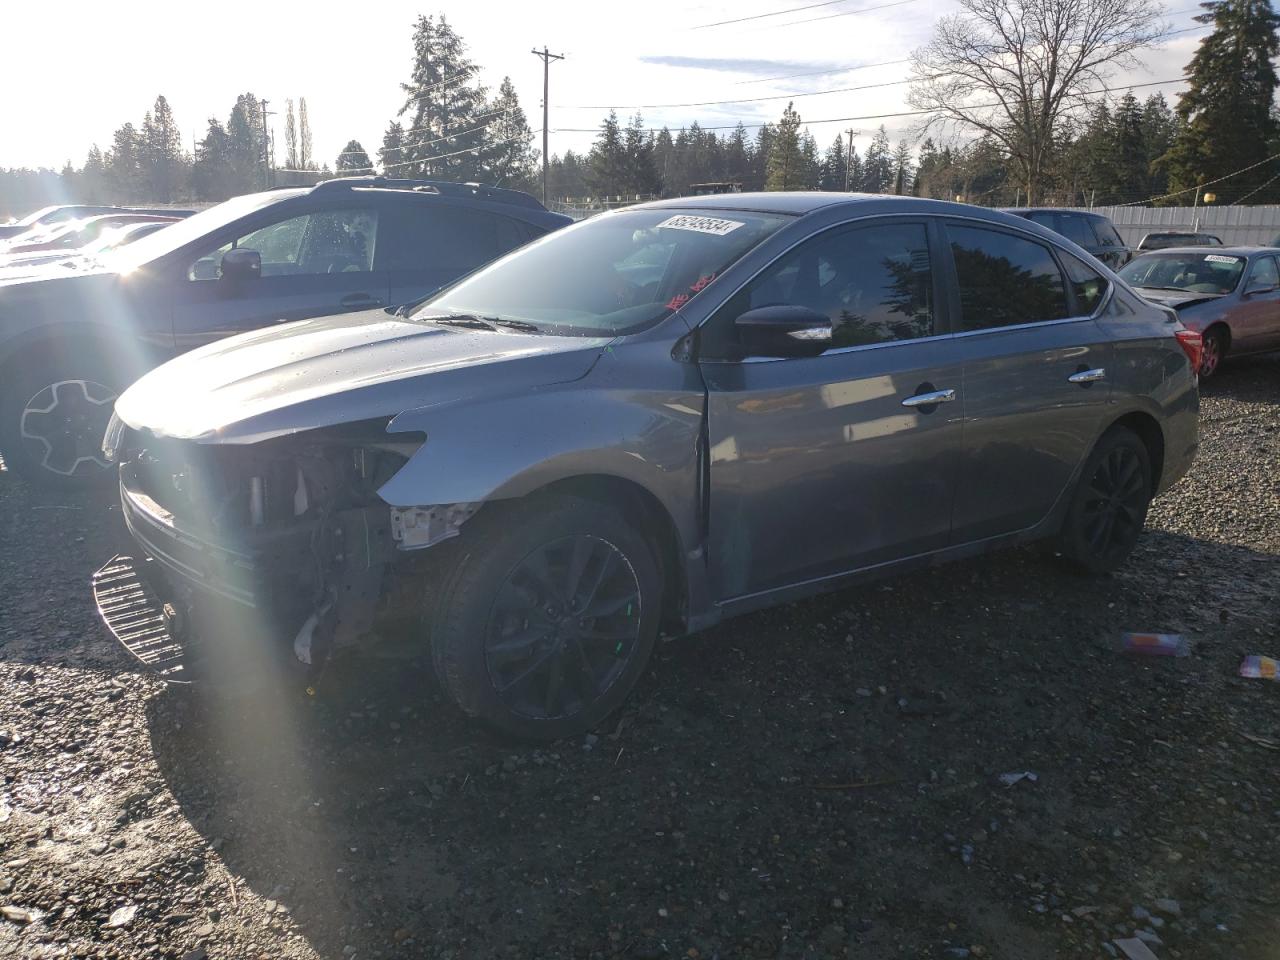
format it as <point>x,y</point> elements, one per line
<point>1226,112</point>
<point>903,169</point>
<point>877,167</point>
<point>354,161</point>
<point>607,161</point>
<point>1158,126</point>
<point>834,165</point>
<point>567,176</point>
<point>1128,151</point>
<point>760,157</point>
<point>244,146</point>
<point>124,171</point>
<point>161,160</point>
<point>737,156</point>
<point>305,161</point>
<point>447,134</point>
<point>810,162</point>
<point>508,159</point>
<point>664,161</point>
<point>785,162</point>
<point>290,137</point>
<point>640,173</point>
<point>212,173</point>
<point>93,177</point>
<point>391,153</point>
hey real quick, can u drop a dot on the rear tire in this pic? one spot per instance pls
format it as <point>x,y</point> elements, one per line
<point>1109,506</point>
<point>549,617</point>
<point>53,415</point>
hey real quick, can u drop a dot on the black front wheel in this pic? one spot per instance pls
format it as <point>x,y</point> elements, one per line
<point>52,420</point>
<point>1109,507</point>
<point>549,617</point>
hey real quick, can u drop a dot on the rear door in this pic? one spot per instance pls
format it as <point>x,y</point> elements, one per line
<point>1035,374</point>
<point>313,264</point>
<point>817,464</point>
<point>434,242</point>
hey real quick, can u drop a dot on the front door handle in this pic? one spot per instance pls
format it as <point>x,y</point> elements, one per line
<point>1088,376</point>
<point>930,399</point>
<point>361,300</point>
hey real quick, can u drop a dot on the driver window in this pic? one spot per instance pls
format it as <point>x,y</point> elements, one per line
<point>329,241</point>
<point>875,283</point>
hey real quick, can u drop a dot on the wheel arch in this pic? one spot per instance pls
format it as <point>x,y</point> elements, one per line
<point>1225,328</point>
<point>77,339</point>
<point>1149,431</point>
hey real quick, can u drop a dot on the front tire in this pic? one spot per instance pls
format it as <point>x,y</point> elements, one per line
<point>549,617</point>
<point>1109,506</point>
<point>1213,352</point>
<point>53,415</point>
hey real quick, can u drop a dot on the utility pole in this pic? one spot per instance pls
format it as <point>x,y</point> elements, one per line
<point>267,178</point>
<point>547,56</point>
<point>848,159</point>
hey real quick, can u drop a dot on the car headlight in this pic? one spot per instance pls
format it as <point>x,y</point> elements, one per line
<point>112,438</point>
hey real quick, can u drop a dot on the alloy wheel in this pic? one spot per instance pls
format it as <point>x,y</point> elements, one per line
<point>1115,503</point>
<point>62,426</point>
<point>564,626</point>
<point>1210,355</point>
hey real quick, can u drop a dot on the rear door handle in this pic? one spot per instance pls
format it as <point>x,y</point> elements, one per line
<point>929,399</point>
<point>360,300</point>
<point>1088,376</point>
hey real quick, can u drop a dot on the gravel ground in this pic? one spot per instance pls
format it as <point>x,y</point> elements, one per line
<point>816,780</point>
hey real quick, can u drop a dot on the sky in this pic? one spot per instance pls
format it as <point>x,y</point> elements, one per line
<point>85,68</point>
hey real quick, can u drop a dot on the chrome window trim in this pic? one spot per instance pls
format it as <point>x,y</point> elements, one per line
<point>1055,248</point>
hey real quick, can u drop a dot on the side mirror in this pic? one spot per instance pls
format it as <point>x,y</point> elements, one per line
<point>784,330</point>
<point>241,266</point>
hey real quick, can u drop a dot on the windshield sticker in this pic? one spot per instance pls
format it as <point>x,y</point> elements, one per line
<point>1215,258</point>
<point>680,299</point>
<point>712,225</point>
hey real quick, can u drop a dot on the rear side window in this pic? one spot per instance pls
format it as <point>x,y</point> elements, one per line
<point>1264,274</point>
<point>1107,235</point>
<point>1004,279</point>
<point>1087,285</point>
<point>1077,230</point>
<point>452,239</point>
<point>874,282</point>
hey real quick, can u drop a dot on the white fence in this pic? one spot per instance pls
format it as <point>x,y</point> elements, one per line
<point>1235,226</point>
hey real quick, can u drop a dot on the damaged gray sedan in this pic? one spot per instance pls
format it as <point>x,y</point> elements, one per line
<point>638,426</point>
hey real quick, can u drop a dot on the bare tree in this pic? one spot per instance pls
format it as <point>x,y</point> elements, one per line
<point>1015,70</point>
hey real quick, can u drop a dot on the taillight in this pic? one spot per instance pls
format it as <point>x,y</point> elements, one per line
<point>1193,346</point>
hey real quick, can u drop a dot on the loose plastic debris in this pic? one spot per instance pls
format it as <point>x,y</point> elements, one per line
<point>1009,779</point>
<point>1135,949</point>
<point>1264,668</point>
<point>1155,644</point>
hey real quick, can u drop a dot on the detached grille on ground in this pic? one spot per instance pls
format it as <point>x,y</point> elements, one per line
<point>136,618</point>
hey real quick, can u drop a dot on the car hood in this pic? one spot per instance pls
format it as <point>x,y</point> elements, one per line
<point>1177,300</point>
<point>50,284</point>
<point>341,369</point>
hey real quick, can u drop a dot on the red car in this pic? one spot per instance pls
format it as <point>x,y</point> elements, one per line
<point>1230,295</point>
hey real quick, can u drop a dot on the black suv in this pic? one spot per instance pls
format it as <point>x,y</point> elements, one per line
<point>1093,231</point>
<point>69,342</point>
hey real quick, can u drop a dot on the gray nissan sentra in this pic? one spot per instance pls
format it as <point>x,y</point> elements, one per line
<point>641,425</point>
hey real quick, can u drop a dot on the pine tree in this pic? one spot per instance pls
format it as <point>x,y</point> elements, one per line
<point>508,159</point>
<point>305,161</point>
<point>834,165</point>
<point>244,145</point>
<point>447,133</point>
<point>290,137</point>
<point>639,172</point>
<point>354,161</point>
<point>1226,112</point>
<point>737,156</point>
<point>161,160</point>
<point>810,162</point>
<point>391,153</point>
<point>903,169</point>
<point>93,177</point>
<point>1158,126</point>
<point>785,159</point>
<point>607,160</point>
<point>124,172</point>
<point>877,167</point>
<point>664,161</point>
<point>212,174</point>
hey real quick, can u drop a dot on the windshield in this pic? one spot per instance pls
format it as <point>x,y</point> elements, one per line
<point>1193,272</point>
<point>192,228</point>
<point>119,236</point>
<point>610,275</point>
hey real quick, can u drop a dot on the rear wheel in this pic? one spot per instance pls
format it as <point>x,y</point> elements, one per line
<point>53,416</point>
<point>549,617</point>
<point>1213,351</point>
<point>1109,507</point>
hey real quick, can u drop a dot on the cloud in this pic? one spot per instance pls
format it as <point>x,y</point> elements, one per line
<point>741,65</point>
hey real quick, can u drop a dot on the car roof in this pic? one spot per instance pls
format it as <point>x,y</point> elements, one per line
<point>800,203</point>
<point>1210,248</point>
<point>1079,213</point>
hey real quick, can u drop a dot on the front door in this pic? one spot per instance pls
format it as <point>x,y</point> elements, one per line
<point>824,464</point>
<point>1035,376</point>
<point>313,264</point>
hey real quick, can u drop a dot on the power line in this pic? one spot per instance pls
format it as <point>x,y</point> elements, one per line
<point>1201,186</point>
<point>450,136</point>
<point>823,73</point>
<point>881,116</point>
<point>847,13</point>
<point>783,13</point>
<point>722,103</point>
<point>456,153</point>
